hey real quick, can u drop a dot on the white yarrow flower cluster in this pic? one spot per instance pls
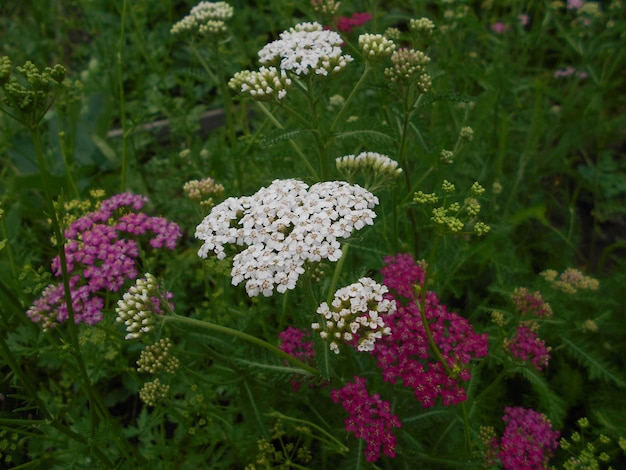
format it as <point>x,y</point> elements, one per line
<point>306,48</point>
<point>356,314</point>
<point>137,308</point>
<point>284,226</point>
<point>205,18</point>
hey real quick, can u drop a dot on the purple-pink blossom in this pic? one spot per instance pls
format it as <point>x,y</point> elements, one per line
<point>526,346</point>
<point>369,418</point>
<point>528,440</point>
<point>405,355</point>
<point>348,23</point>
<point>530,304</point>
<point>297,343</point>
<point>101,250</point>
<point>575,4</point>
<point>499,27</point>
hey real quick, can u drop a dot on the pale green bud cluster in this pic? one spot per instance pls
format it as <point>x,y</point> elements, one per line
<point>447,187</point>
<point>409,67</point>
<point>376,46</point>
<point>423,26</point>
<point>453,216</point>
<point>327,7</point>
<point>31,100</point>
<point>266,84</point>
<point>477,189</point>
<point>336,101</point>
<point>423,198</point>
<point>467,134</point>
<point>203,190</point>
<point>153,392</point>
<point>393,33</point>
<point>377,168</point>
<point>158,357</point>
<point>446,157</point>
<point>587,454</point>
<point>206,18</point>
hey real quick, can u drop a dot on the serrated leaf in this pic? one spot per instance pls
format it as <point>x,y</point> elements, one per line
<point>596,365</point>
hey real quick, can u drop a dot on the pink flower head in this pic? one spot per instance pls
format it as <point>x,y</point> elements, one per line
<point>528,440</point>
<point>347,24</point>
<point>101,250</point>
<point>369,418</point>
<point>575,4</point>
<point>405,354</point>
<point>499,27</point>
<point>528,347</point>
<point>298,343</point>
<point>530,304</point>
<point>523,19</point>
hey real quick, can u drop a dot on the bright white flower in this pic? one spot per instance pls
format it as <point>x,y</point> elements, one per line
<point>283,226</point>
<point>306,48</point>
<point>357,312</point>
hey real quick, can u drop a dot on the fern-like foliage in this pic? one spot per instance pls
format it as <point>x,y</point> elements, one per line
<point>597,366</point>
<point>281,135</point>
<point>552,405</point>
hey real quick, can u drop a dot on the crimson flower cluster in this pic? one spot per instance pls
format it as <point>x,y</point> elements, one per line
<point>528,440</point>
<point>297,343</point>
<point>101,250</point>
<point>369,418</point>
<point>347,23</point>
<point>406,354</point>
<point>526,346</point>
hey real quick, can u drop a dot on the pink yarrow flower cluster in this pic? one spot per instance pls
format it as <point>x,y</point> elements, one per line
<point>530,304</point>
<point>528,440</point>
<point>346,24</point>
<point>369,418</point>
<point>101,249</point>
<point>526,346</point>
<point>297,342</point>
<point>405,354</point>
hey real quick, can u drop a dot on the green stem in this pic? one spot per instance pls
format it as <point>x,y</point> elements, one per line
<point>293,144</point>
<point>331,439</point>
<point>336,274</point>
<point>41,405</point>
<point>194,323</point>
<point>350,97</point>
<point>120,84</point>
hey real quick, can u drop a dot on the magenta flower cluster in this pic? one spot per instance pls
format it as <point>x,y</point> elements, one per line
<point>369,418</point>
<point>297,343</point>
<point>528,440</point>
<point>528,347</point>
<point>348,23</point>
<point>530,304</point>
<point>406,356</point>
<point>101,249</point>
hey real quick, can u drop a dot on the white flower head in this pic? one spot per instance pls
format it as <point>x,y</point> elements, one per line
<point>356,315</point>
<point>306,48</point>
<point>282,227</point>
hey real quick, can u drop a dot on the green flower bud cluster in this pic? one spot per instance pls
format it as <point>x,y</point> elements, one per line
<point>157,358</point>
<point>409,67</point>
<point>203,190</point>
<point>153,392</point>
<point>467,134</point>
<point>28,101</point>
<point>327,7</point>
<point>586,453</point>
<point>423,26</point>
<point>453,217</point>
<point>376,46</point>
